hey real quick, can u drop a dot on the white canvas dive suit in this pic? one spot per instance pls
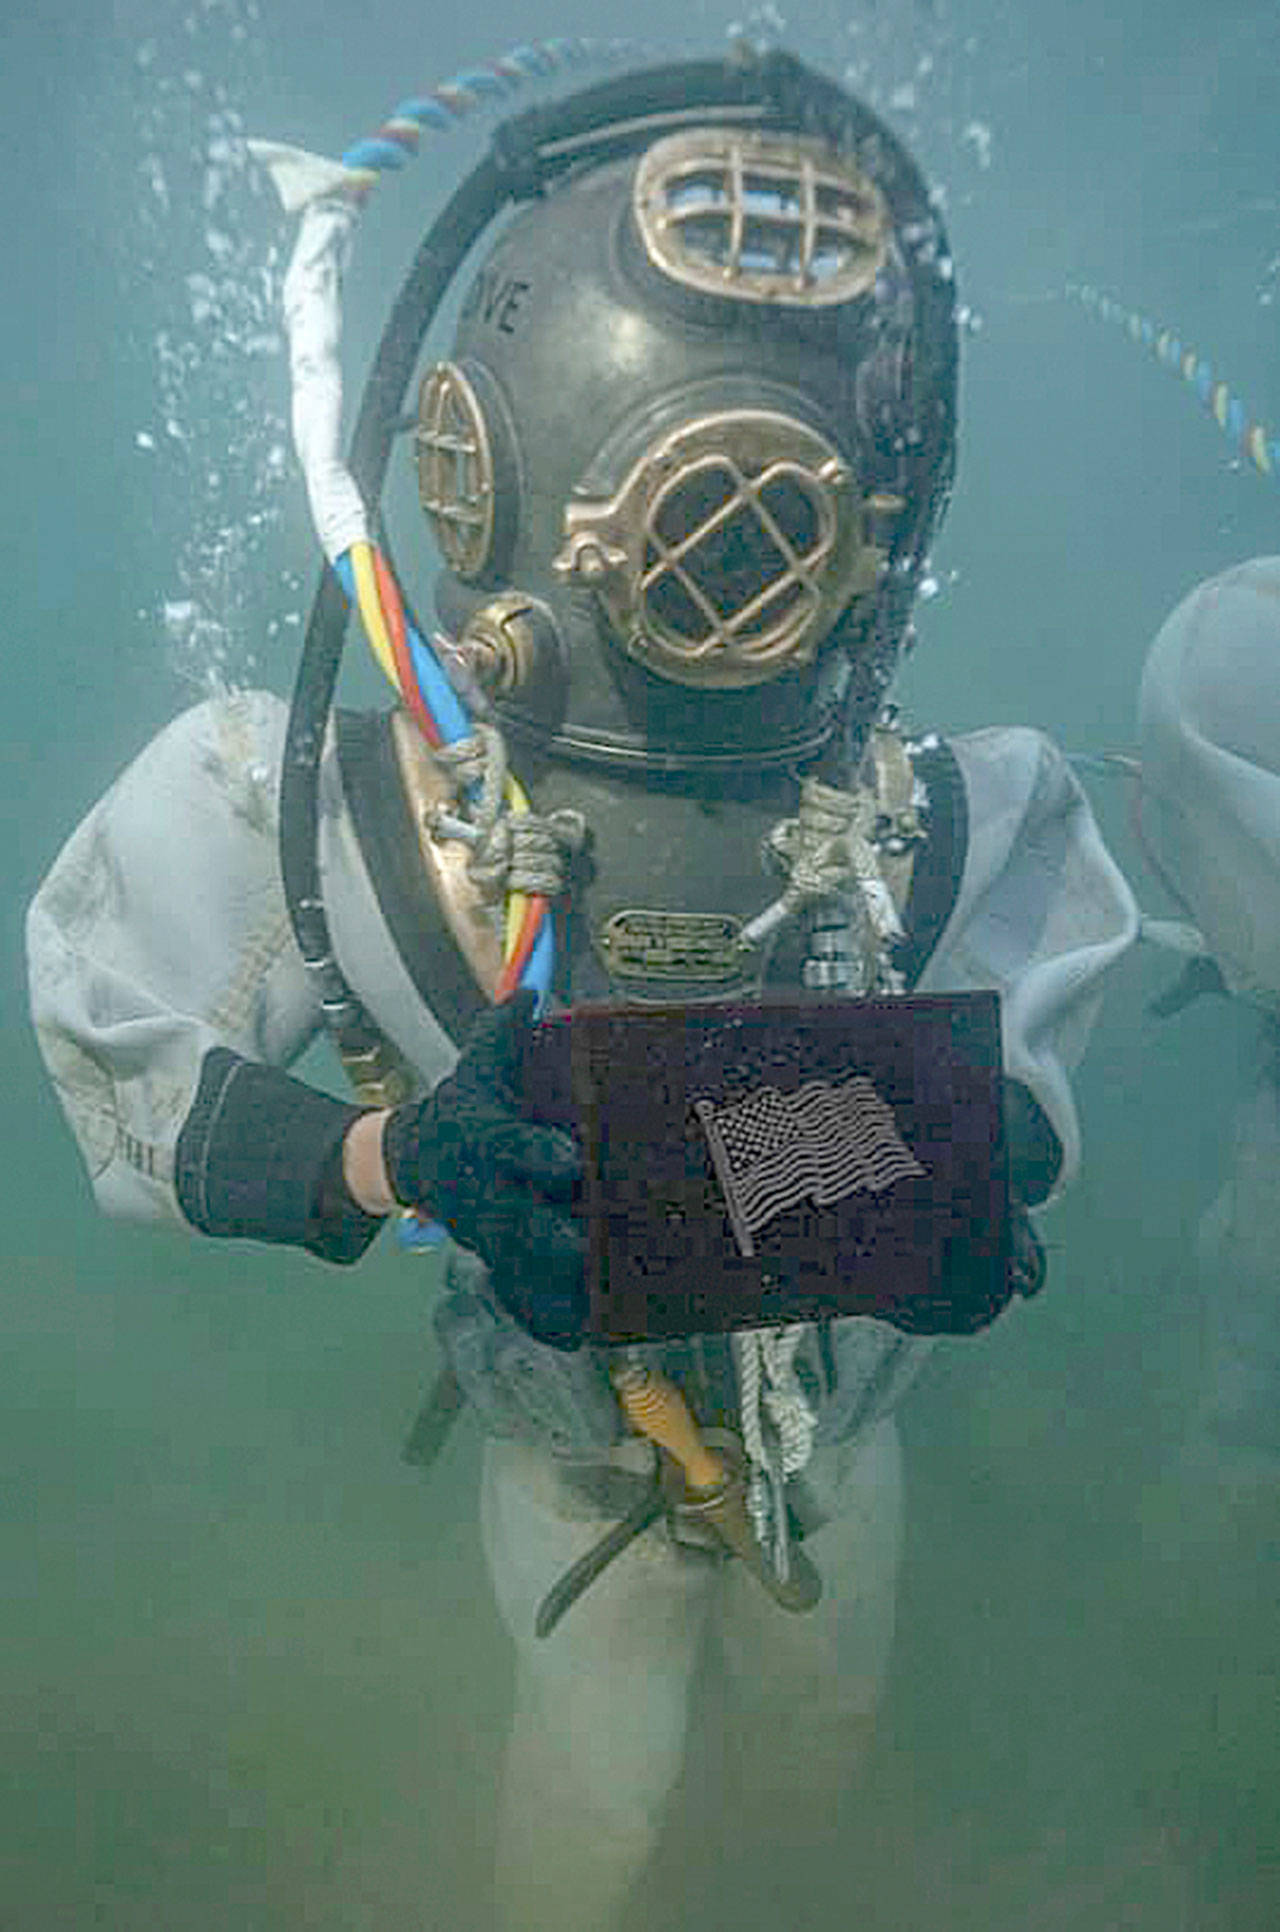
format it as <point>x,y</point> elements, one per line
<point>1209,725</point>
<point>681,472</point>
<point>161,933</point>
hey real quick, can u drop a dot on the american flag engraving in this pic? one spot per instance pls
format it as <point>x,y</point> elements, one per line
<point>773,1150</point>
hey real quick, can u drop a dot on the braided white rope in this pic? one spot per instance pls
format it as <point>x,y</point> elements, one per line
<point>778,1426</point>
<point>827,853</point>
<point>525,852</point>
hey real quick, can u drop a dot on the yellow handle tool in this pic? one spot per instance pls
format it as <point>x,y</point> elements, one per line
<point>714,1490</point>
<point>655,1407</point>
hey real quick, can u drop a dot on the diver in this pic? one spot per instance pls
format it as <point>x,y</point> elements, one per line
<point>1209,790</point>
<point>682,467</point>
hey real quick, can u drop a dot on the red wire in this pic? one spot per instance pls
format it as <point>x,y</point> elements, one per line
<point>393,610</point>
<point>517,959</point>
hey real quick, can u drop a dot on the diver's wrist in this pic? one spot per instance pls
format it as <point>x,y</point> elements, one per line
<point>363,1168</point>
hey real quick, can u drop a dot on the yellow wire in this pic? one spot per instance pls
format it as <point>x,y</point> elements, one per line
<point>516,901</point>
<point>370,604</point>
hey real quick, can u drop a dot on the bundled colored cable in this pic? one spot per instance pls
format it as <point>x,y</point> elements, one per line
<point>414,673</point>
<point>326,194</point>
<point>443,107</point>
<point>405,657</point>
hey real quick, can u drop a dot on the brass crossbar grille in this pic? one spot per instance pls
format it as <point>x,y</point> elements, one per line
<point>760,217</point>
<point>455,469</point>
<point>735,558</point>
<point>729,549</point>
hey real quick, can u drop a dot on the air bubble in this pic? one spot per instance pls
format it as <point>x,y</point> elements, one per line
<point>977,135</point>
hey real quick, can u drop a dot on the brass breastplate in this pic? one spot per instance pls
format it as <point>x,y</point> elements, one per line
<point>673,878</point>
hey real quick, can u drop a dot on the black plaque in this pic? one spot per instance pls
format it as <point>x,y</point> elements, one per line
<point>921,1240</point>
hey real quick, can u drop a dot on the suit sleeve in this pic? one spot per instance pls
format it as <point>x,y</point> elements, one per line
<point>161,934</point>
<point>1041,913</point>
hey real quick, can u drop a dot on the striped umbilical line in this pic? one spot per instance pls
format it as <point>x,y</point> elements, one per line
<point>1258,446</point>
<point>452,101</point>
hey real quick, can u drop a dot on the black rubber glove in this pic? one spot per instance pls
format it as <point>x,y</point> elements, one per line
<point>501,1184</point>
<point>1028,1266</point>
<point>1035,1161</point>
<point>1035,1152</point>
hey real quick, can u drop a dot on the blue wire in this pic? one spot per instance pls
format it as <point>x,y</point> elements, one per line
<point>346,576</point>
<point>538,966</point>
<point>441,699</point>
<point>414,1233</point>
<point>443,702</point>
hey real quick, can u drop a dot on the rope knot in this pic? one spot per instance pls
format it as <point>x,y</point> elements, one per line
<point>525,852</point>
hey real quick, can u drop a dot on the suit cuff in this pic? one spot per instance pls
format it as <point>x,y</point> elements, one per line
<point>259,1158</point>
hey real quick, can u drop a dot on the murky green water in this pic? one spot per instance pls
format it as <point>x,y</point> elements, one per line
<point>250,1674</point>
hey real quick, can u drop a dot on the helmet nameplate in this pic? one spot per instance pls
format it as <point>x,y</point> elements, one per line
<point>760,217</point>
<point>653,943</point>
<point>730,549</point>
<point>456,469</point>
